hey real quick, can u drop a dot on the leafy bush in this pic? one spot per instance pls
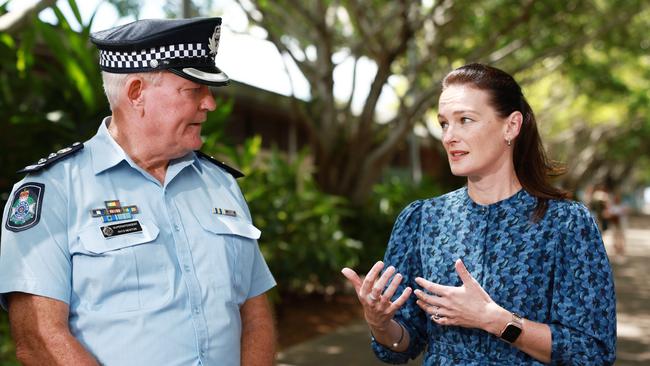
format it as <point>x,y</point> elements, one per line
<point>373,222</point>
<point>302,239</point>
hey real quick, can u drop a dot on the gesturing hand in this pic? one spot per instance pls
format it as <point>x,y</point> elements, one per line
<point>466,306</point>
<point>375,297</point>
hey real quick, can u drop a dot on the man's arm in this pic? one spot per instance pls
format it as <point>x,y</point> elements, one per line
<point>258,333</point>
<point>39,326</point>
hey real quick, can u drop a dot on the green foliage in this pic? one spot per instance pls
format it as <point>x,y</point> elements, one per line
<point>7,348</point>
<point>50,92</point>
<point>373,222</point>
<point>302,239</point>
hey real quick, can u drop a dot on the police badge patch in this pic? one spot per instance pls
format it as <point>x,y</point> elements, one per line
<point>25,210</point>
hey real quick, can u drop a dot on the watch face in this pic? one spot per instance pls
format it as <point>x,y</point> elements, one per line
<point>511,333</point>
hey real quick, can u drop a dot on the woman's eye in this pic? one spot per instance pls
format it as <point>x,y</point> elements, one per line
<point>444,124</point>
<point>466,120</point>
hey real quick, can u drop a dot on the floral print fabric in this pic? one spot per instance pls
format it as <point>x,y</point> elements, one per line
<point>554,271</point>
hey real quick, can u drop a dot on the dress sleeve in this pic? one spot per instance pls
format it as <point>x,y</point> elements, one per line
<point>35,258</point>
<point>403,253</point>
<point>583,314</point>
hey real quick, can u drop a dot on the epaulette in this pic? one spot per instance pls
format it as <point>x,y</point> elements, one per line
<point>234,172</point>
<point>52,158</point>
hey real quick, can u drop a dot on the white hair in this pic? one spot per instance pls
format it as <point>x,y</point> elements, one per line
<point>114,83</point>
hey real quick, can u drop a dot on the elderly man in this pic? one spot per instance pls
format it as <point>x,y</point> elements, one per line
<point>135,248</point>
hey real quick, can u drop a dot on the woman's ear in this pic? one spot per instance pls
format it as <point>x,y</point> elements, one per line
<point>513,125</point>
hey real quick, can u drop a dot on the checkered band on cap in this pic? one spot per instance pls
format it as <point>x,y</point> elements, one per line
<point>153,57</point>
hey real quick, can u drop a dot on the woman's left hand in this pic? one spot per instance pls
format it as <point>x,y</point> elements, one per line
<point>467,306</point>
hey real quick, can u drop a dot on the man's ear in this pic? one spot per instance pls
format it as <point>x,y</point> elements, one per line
<point>513,125</point>
<point>134,92</point>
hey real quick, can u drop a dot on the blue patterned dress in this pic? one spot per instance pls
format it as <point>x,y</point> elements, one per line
<point>554,271</point>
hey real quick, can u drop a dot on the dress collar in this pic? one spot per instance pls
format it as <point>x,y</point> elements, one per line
<point>520,199</point>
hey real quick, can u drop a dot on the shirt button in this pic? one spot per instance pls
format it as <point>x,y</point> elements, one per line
<point>196,310</point>
<point>186,267</point>
<point>202,353</point>
<point>177,228</point>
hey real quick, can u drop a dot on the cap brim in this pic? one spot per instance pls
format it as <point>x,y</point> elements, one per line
<point>210,75</point>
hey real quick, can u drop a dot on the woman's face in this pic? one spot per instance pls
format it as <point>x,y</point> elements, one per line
<point>473,135</point>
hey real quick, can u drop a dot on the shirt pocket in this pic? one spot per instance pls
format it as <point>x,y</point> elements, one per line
<point>127,272</point>
<point>230,253</point>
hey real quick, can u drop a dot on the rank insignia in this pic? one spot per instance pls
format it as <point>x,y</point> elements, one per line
<point>25,210</point>
<point>113,211</point>
<point>222,211</point>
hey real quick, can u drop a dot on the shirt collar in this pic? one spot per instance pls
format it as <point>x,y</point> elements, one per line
<point>107,153</point>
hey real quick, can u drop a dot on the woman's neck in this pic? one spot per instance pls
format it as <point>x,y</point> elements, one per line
<point>488,190</point>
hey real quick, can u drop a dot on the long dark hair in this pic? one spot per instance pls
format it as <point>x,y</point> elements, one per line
<point>532,166</point>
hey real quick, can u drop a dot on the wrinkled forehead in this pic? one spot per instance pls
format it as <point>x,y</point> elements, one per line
<point>457,97</point>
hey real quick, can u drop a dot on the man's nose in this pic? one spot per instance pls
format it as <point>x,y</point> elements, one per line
<point>208,102</point>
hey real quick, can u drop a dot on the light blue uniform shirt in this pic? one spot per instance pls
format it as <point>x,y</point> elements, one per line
<point>168,294</point>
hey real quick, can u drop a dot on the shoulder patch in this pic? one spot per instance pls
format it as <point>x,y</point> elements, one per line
<point>234,172</point>
<point>25,209</point>
<point>52,158</point>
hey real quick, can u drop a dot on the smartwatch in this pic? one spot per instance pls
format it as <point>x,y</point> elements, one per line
<point>513,329</point>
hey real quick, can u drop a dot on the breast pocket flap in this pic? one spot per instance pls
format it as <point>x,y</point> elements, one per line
<point>93,240</point>
<point>230,225</point>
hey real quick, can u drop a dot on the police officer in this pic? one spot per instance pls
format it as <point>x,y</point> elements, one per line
<point>134,248</point>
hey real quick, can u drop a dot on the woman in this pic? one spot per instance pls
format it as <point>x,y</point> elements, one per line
<point>506,270</point>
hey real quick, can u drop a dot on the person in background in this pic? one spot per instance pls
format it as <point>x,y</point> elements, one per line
<point>504,271</point>
<point>616,212</point>
<point>135,248</point>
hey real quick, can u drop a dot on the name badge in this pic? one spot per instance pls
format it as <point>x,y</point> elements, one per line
<point>114,230</point>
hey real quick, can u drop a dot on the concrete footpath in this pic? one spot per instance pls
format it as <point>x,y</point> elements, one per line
<point>350,346</point>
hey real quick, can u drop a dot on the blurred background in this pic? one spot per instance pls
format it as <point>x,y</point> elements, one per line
<point>331,115</point>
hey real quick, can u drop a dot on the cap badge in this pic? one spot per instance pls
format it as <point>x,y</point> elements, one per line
<point>213,42</point>
<point>153,64</point>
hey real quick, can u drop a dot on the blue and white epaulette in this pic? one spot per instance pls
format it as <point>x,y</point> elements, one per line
<point>53,158</point>
<point>234,172</point>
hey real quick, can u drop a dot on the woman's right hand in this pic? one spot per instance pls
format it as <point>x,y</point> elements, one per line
<point>375,294</point>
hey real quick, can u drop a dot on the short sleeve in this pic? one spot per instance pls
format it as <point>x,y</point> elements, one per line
<point>262,279</point>
<point>403,254</point>
<point>583,313</point>
<point>34,257</point>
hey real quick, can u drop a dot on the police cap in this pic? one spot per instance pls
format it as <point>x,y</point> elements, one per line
<point>186,47</point>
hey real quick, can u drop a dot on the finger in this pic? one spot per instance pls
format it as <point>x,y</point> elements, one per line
<point>392,288</point>
<point>370,278</point>
<point>463,273</point>
<point>429,299</point>
<point>433,288</point>
<point>401,300</point>
<point>353,278</point>
<point>442,320</point>
<point>380,284</point>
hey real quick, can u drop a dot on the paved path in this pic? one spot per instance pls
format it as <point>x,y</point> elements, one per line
<point>349,346</point>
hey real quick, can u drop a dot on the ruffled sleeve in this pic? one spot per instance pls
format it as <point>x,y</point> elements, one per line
<point>583,312</point>
<point>403,253</point>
